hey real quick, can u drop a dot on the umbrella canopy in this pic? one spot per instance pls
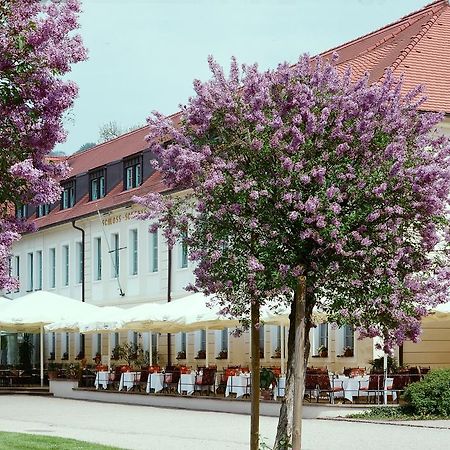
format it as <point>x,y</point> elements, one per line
<point>4,302</point>
<point>32,311</point>
<point>104,318</point>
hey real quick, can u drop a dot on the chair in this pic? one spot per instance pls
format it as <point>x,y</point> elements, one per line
<point>399,382</point>
<point>414,374</point>
<point>354,371</point>
<point>143,378</point>
<point>375,387</point>
<point>206,379</point>
<point>424,370</point>
<point>324,386</point>
<point>310,386</point>
<point>171,380</point>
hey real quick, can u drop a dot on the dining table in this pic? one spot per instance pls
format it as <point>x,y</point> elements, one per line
<point>129,380</point>
<point>155,381</point>
<point>101,379</point>
<point>187,383</point>
<point>238,384</point>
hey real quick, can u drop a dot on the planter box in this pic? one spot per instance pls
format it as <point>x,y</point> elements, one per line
<point>62,387</point>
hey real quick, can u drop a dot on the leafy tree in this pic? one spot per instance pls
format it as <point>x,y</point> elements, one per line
<point>112,130</point>
<point>86,146</point>
<point>37,47</point>
<point>304,181</point>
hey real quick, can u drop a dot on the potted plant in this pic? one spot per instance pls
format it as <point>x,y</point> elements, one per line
<point>65,356</point>
<point>348,352</point>
<point>52,371</point>
<point>97,358</point>
<point>267,382</point>
<point>131,353</point>
<point>181,355</point>
<point>201,354</point>
<point>322,351</point>
<point>25,351</point>
<point>115,353</point>
<point>223,354</point>
<point>276,353</point>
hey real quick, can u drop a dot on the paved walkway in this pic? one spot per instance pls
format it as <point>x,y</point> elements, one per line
<point>147,428</point>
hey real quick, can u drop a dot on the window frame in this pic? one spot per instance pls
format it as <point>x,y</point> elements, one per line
<point>98,177</point>
<point>68,195</point>
<point>132,172</point>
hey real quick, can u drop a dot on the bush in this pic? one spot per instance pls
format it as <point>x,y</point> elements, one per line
<point>430,396</point>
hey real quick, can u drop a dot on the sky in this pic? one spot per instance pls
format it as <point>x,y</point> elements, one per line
<point>145,54</point>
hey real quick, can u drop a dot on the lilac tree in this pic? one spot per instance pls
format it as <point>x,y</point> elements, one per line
<point>37,47</point>
<point>297,174</point>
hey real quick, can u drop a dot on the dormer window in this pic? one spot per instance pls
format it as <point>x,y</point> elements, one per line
<point>132,172</point>
<point>21,211</point>
<point>42,210</point>
<point>68,195</point>
<point>97,186</point>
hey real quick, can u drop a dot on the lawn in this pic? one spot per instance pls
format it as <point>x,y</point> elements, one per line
<point>21,441</point>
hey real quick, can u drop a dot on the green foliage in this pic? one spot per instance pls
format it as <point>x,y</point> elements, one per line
<point>430,396</point>
<point>131,353</point>
<point>378,364</point>
<point>267,379</point>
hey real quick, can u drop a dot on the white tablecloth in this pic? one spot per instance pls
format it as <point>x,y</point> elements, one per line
<point>155,381</point>
<point>186,383</point>
<point>238,384</point>
<point>129,379</point>
<point>352,385</point>
<point>280,387</point>
<point>101,379</point>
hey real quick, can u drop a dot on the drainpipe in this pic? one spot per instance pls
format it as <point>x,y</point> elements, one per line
<point>83,244</point>
<point>169,288</point>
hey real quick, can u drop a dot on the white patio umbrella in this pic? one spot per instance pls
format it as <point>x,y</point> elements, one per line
<point>104,319</point>
<point>33,311</point>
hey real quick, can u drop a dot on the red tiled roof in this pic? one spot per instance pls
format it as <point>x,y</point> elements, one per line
<point>115,198</point>
<point>417,46</point>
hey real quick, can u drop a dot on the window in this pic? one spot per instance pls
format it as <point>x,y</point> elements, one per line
<point>16,272</point>
<point>79,262</point>
<point>52,345</point>
<point>68,195</point>
<point>115,255</point>
<point>98,258</point>
<point>203,340</point>
<point>65,255</point>
<point>134,339</point>
<point>183,250</point>
<point>183,342</point>
<point>39,270</point>
<point>97,187</point>
<point>30,284</point>
<point>52,268</point>
<point>21,211</point>
<point>348,338</point>
<point>133,252</point>
<point>65,345</point>
<point>154,252</point>
<point>224,340</point>
<point>98,344</point>
<point>261,342</point>
<point>323,335</point>
<point>115,339</point>
<point>132,172</point>
<point>42,210</point>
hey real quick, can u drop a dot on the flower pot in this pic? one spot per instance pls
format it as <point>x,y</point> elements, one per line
<point>266,394</point>
<point>52,374</point>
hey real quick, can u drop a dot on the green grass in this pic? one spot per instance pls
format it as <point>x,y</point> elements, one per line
<point>392,413</point>
<point>21,441</point>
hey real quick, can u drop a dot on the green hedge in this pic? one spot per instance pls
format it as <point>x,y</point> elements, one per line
<point>430,396</point>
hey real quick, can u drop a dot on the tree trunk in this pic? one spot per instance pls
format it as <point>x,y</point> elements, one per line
<point>254,425</point>
<point>299,363</point>
<point>285,421</point>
